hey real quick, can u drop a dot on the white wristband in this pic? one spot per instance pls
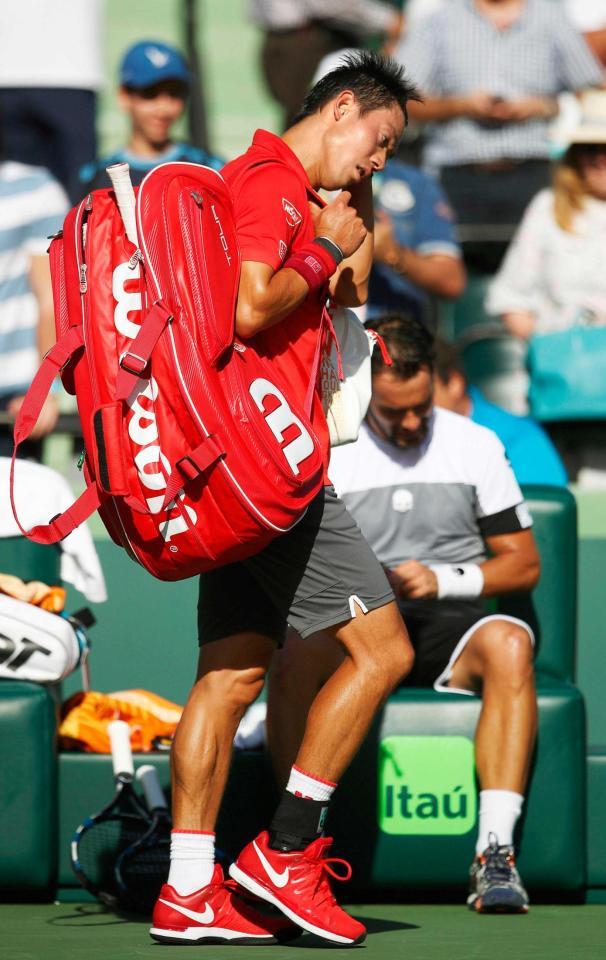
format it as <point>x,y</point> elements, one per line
<point>458,581</point>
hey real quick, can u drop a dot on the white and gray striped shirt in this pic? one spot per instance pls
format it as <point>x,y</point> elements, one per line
<point>458,51</point>
<point>32,206</point>
<point>359,16</point>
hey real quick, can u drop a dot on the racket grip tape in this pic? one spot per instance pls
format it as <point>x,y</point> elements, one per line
<point>122,757</point>
<point>119,175</point>
<point>147,775</point>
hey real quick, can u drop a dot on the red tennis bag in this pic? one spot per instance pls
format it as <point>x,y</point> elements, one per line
<point>196,455</point>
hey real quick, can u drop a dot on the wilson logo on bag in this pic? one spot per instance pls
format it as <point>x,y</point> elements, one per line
<point>196,455</point>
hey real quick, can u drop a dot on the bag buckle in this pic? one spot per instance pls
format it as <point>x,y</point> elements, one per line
<point>132,363</point>
<point>188,468</point>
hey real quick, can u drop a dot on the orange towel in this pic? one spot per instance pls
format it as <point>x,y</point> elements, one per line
<point>86,716</point>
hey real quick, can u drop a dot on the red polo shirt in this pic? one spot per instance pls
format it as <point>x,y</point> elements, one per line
<point>271,193</point>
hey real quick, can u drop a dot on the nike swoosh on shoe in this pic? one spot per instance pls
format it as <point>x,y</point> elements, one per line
<point>278,879</point>
<point>207,917</point>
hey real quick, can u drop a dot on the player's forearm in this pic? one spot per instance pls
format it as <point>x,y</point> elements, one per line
<point>510,573</point>
<point>261,306</point>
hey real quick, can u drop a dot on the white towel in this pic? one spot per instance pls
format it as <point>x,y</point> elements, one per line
<point>42,493</point>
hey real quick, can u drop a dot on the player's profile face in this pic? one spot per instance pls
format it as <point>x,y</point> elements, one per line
<point>400,409</point>
<point>359,145</point>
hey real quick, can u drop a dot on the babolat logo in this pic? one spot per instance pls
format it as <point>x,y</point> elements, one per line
<point>14,654</point>
<point>426,786</point>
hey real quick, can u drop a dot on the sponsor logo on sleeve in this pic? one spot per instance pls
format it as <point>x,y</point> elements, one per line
<point>523,515</point>
<point>293,217</point>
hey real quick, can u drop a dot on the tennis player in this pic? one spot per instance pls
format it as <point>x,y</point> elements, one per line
<point>321,575</point>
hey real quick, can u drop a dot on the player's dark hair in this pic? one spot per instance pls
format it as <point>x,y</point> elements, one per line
<point>409,344</point>
<point>448,360</point>
<point>374,80</point>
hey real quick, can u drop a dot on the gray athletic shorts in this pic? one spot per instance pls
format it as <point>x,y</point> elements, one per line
<point>319,574</point>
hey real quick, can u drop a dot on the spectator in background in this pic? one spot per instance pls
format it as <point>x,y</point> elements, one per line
<point>299,33</point>
<point>32,206</point>
<point>416,252</point>
<point>50,71</point>
<point>154,85</point>
<point>438,502</point>
<point>553,273</point>
<point>531,453</point>
<point>491,71</point>
<point>553,281</point>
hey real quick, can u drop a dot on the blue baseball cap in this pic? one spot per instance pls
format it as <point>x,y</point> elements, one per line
<point>149,62</point>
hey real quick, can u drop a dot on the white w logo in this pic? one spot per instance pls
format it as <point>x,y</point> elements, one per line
<point>279,419</point>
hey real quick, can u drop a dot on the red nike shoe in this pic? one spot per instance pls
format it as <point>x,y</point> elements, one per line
<point>215,914</point>
<point>297,883</point>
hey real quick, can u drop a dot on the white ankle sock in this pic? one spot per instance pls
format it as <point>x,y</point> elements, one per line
<point>192,860</point>
<point>312,788</point>
<point>499,813</point>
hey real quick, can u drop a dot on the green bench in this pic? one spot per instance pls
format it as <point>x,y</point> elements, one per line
<point>377,817</point>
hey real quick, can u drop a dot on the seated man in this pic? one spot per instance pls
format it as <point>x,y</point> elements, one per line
<point>532,455</point>
<point>437,500</point>
<point>416,252</point>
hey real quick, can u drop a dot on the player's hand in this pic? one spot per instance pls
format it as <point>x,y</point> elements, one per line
<point>413,581</point>
<point>339,222</point>
<point>46,421</point>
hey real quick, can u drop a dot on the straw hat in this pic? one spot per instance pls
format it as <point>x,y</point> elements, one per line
<point>592,125</point>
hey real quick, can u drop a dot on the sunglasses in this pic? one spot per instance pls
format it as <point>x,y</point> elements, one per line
<point>174,88</point>
<point>592,150</point>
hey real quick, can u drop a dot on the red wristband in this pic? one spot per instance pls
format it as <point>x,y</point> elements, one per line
<point>314,263</point>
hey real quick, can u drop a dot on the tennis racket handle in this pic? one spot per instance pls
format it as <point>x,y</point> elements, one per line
<point>122,757</point>
<point>152,791</point>
<point>119,174</point>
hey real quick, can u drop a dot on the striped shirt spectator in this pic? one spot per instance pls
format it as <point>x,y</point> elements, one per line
<point>491,74</point>
<point>32,206</point>
<point>458,51</point>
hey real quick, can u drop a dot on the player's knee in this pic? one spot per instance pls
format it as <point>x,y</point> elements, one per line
<point>403,657</point>
<point>232,690</point>
<point>508,649</point>
<point>393,666</point>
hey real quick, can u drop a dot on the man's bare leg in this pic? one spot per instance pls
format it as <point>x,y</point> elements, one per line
<point>298,671</point>
<point>498,661</point>
<point>231,673</point>
<point>378,656</point>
